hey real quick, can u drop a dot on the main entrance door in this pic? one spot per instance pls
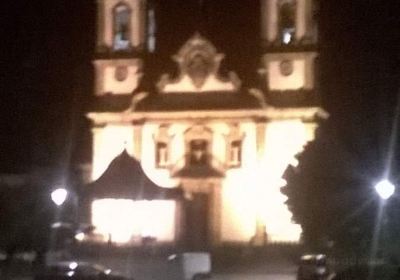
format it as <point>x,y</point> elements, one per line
<point>197,222</point>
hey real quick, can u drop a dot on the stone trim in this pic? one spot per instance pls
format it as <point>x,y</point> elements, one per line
<point>137,140</point>
<point>209,65</point>
<point>305,114</point>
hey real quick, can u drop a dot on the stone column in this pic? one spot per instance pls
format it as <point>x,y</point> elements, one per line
<point>273,18</point>
<point>300,19</point>
<point>308,20</point>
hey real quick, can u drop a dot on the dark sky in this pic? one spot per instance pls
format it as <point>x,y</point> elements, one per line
<point>46,74</point>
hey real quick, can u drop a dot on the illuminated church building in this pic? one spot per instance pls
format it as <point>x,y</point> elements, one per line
<point>222,145</point>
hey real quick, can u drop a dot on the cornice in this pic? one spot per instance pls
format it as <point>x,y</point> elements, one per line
<point>269,114</point>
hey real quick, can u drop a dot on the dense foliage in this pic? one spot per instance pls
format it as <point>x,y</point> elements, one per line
<point>331,195</point>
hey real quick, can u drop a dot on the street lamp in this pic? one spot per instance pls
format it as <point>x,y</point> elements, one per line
<point>385,189</point>
<point>59,196</point>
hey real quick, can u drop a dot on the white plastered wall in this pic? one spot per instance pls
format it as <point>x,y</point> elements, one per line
<point>252,193</point>
<point>239,211</point>
<point>284,140</point>
<point>111,84</point>
<point>296,80</point>
<point>108,142</point>
<point>302,76</point>
<point>106,81</point>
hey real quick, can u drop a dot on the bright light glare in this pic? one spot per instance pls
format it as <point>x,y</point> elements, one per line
<point>59,196</point>
<point>287,37</point>
<point>80,236</point>
<point>73,265</point>
<point>125,220</point>
<point>385,189</point>
<point>285,140</point>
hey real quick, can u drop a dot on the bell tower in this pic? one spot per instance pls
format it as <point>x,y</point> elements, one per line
<point>125,34</point>
<point>289,37</point>
<point>289,50</point>
<point>121,41</point>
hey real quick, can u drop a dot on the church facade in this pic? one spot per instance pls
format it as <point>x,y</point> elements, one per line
<point>225,145</point>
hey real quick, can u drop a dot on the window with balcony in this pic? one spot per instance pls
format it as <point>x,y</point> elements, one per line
<point>198,152</point>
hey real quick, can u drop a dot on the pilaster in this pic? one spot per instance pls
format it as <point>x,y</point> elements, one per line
<point>260,234</point>
<point>260,138</point>
<point>216,210</point>
<point>137,140</point>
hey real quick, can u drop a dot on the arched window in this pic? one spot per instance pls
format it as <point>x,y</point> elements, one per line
<point>121,27</point>
<point>287,21</point>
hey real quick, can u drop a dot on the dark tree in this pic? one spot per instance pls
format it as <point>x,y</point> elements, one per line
<point>331,195</point>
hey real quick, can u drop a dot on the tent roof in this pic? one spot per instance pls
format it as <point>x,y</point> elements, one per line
<point>125,178</point>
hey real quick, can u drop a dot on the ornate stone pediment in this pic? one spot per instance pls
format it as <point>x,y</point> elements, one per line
<point>199,63</point>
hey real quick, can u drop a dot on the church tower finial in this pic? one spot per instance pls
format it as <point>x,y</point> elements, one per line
<point>121,39</point>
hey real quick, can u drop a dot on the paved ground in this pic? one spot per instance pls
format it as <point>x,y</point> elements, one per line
<point>225,277</point>
<point>243,276</point>
<point>158,268</point>
<point>250,276</point>
<point>271,270</point>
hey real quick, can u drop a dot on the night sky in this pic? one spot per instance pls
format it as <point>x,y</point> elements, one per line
<point>46,78</point>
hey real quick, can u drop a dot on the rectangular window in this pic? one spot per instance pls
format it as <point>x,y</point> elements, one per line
<point>235,153</point>
<point>161,154</point>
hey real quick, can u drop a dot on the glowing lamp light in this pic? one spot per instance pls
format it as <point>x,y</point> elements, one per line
<point>154,218</point>
<point>80,236</point>
<point>73,265</point>
<point>385,189</point>
<point>59,196</point>
<point>287,37</point>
